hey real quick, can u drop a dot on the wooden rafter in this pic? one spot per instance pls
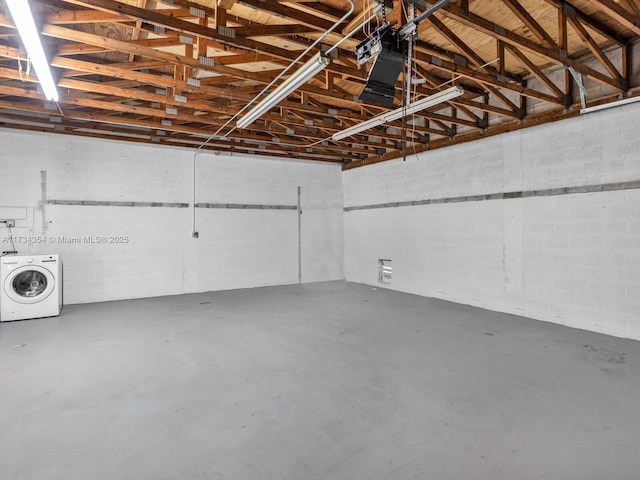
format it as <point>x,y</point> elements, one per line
<point>526,18</point>
<point>473,58</point>
<point>172,72</point>
<point>535,71</point>
<point>487,79</point>
<point>629,19</point>
<point>181,26</point>
<point>76,17</point>
<point>597,26</point>
<point>303,18</point>
<point>554,54</point>
<point>595,49</point>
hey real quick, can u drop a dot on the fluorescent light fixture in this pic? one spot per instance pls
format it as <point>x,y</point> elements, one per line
<point>23,19</point>
<point>604,106</point>
<point>306,72</point>
<point>398,113</point>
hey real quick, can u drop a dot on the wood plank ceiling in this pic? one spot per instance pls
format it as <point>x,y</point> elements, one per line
<point>175,72</point>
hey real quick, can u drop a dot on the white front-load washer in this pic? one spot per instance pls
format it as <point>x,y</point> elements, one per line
<point>30,287</point>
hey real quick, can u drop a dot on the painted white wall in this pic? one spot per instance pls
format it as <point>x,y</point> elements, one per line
<point>235,248</point>
<point>570,259</point>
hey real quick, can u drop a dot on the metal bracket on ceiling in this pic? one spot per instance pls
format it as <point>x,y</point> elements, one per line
<point>577,76</point>
<point>410,28</point>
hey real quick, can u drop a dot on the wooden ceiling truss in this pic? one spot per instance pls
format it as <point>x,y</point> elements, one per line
<point>176,72</point>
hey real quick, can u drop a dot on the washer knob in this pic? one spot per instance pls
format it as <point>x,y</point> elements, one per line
<point>29,260</point>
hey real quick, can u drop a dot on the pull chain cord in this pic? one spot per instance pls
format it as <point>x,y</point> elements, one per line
<point>13,245</point>
<point>28,72</point>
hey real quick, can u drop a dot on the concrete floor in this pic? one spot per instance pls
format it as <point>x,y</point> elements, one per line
<point>321,381</point>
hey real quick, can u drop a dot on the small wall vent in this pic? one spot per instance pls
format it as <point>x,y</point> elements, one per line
<point>384,271</point>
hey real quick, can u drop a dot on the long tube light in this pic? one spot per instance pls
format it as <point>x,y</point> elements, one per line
<point>398,113</point>
<point>23,19</point>
<point>604,106</point>
<point>301,76</point>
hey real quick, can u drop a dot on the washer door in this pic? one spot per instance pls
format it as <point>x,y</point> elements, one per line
<point>29,284</point>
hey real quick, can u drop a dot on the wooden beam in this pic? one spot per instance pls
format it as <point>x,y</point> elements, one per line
<point>496,31</point>
<point>500,56</point>
<point>81,49</point>
<point>535,28</point>
<point>486,79</point>
<point>476,60</point>
<point>323,106</point>
<point>154,17</point>
<point>318,9</point>
<point>183,26</point>
<point>258,30</point>
<point>365,9</point>
<point>226,4</point>
<point>500,96</point>
<point>633,7</point>
<point>619,14</point>
<point>78,17</point>
<point>485,107</point>
<point>166,82</point>
<point>209,11</point>
<point>462,102</point>
<point>157,42</point>
<point>131,109</point>
<point>535,71</point>
<point>221,17</point>
<point>593,23</point>
<point>271,6</point>
<point>467,50</point>
<point>155,125</point>
<point>135,35</point>
<point>244,58</point>
<point>595,48</point>
<point>174,126</point>
<point>74,35</point>
<point>563,43</point>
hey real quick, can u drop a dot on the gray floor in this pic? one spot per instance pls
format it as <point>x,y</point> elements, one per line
<point>322,381</point>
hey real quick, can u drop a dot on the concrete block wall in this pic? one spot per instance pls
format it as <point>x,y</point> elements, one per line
<point>150,250</point>
<point>571,259</point>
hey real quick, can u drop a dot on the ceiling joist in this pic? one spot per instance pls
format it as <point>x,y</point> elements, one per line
<point>174,72</point>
